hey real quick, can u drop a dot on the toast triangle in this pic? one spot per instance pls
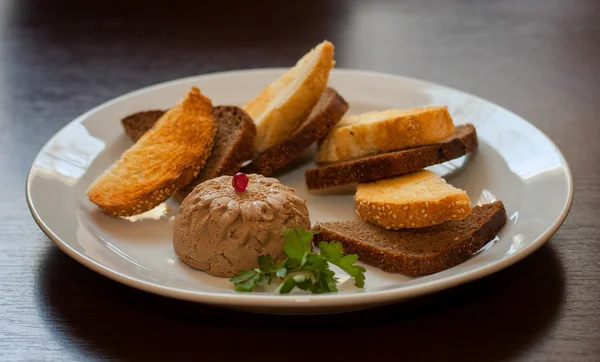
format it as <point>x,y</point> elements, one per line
<point>282,106</point>
<point>163,160</point>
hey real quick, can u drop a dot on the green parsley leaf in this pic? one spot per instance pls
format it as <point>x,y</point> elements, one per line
<point>246,280</point>
<point>316,262</point>
<point>243,275</point>
<point>292,263</point>
<point>331,251</point>
<point>307,285</point>
<point>287,286</point>
<point>334,252</point>
<point>327,280</point>
<point>297,243</point>
<point>301,269</point>
<point>266,262</point>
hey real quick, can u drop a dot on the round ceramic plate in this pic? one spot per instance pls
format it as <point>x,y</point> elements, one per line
<point>515,163</point>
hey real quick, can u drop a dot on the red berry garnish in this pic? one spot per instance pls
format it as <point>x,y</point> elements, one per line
<point>240,182</point>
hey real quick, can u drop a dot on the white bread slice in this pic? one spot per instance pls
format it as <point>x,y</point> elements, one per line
<point>415,200</point>
<point>282,106</point>
<point>164,159</point>
<point>379,132</point>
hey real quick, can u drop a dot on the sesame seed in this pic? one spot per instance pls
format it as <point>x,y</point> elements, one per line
<point>394,216</point>
<point>401,225</point>
<point>387,227</point>
<point>409,217</point>
<point>373,206</point>
<point>405,207</point>
<point>454,216</point>
<point>426,204</point>
<point>422,211</point>
<point>425,216</point>
<point>413,224</point>
<point>455,238</point>
<point>377,217</point>
<point>388,206</point>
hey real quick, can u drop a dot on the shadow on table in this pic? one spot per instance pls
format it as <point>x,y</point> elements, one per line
<point>490,319</point>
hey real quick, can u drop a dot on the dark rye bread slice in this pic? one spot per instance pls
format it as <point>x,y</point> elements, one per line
<point>417,251</point>
<point>233,145</point>
<point>138,123</point>
<point>394,163</point>
<point>324,116</point>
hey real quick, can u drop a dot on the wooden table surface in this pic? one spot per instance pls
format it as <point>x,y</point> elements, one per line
<point>539,58</point>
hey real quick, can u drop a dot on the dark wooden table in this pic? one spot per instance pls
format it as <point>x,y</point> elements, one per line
<point>539,58</point>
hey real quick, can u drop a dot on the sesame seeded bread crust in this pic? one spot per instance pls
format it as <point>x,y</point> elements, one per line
<point>415,200</point>
<point>163,160</point>
<point>416,252</point>
<point>327,112</point>
<point>394,163</point>
<point>233,145</point>
<point>415,214</point>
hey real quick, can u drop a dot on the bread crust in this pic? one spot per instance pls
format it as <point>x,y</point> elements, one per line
<point>360,135</point>
<point>276,122</point>
<point>164,159</point>
<point>411,213</point>
<point>394,163</point>
<point>327,112</point>
<point>425,263</point>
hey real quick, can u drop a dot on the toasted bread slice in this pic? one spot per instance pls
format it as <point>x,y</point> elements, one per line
<point>378,132</point>
<point>282,106</point>
<point>395,163</point>
<point>164,159</point>
<point>233,145</point>
<point>415,200</point>
<point>417,251</point>
<point>326,113</point>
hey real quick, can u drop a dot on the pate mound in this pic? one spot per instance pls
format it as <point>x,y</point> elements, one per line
<point>222,231</point>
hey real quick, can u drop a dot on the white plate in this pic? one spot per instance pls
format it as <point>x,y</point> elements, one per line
<point>516,163</point>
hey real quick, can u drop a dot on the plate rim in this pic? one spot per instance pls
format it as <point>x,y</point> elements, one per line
<point>299,301</point>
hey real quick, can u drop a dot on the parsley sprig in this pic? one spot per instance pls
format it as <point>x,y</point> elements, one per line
<point>301,269</point>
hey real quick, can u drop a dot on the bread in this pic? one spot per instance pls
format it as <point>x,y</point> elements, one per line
<point>326,113</point>
<point>417,251</point>
<point>395,163</point>
<point>139,123</point>
<point>378,132</point>
<point>414,200</point>
<point>233,145</point>
<point>163,160</point>
<point>282,106</point>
